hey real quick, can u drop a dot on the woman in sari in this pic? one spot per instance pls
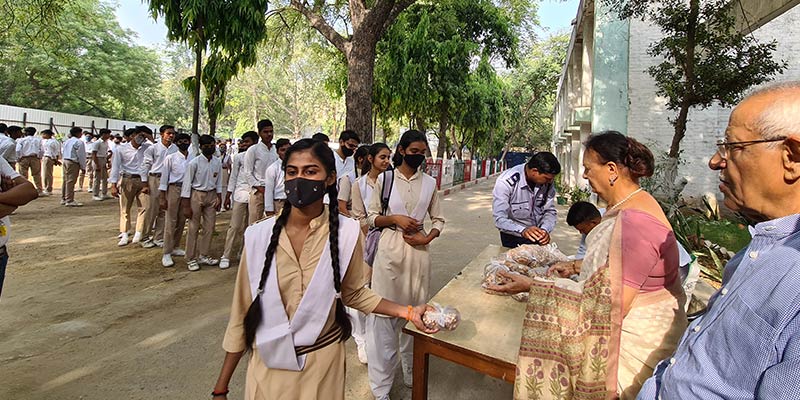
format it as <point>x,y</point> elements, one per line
<point>601,337</point>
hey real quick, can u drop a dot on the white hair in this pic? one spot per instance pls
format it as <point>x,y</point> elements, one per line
<point>781,116</point>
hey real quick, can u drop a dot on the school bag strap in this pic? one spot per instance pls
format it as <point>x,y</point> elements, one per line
<point>388,175</point>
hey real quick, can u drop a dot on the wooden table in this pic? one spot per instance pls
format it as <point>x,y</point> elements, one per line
<point>487,340</point>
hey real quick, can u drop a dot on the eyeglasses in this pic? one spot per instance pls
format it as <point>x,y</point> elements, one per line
<point>723,146</point>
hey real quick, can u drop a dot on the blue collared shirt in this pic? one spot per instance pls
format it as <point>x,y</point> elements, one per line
<point>516,207</point>
<point>747,345</point>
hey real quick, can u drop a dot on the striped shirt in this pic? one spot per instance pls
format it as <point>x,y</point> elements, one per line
<point>747,345</point>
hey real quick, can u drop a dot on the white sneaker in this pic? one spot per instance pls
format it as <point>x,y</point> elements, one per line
<point>137,237</point>
<point>207,260</point>
<point>193,265</point>
<point>63,202</point>
<point>97,198</point>
<point>73,203</point>
<point>224,263</point>
<point>107,197</point>
<point>166,261</point>
<point>78,190</point>
<point>123,241</point>
<point>148,244</point>
<point>159,243</point>
<point>362,353</point>
<point>179,253</point>
<point>46,193</point>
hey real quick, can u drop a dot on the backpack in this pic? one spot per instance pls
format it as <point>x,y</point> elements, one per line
<point>374,234</point>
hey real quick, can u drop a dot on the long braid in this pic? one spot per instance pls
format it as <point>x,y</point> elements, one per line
<point>333,237</point>
<point>253,317</point>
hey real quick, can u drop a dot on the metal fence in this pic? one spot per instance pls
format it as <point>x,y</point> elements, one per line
<point>60,123</point>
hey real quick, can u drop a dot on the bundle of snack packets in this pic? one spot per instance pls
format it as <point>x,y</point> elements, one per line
<point>529,260</point>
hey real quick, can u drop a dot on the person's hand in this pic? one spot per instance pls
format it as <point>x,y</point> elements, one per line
<point>218,202</point>
<point>7,183</point>
<point>260,189</point>
<point>187,212</point>
<point>114,191</point>
<point>513,283</point>
<point>416,318</point>
<point>227,203</point>
<point>416,239</point>
<point>145,190</point>
<point>536,235</point>
<point>162,202</point>
<point>407,224</point>
<point>563,269</point>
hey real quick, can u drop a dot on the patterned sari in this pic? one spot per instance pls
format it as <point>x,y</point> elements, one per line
<point>575,343</point>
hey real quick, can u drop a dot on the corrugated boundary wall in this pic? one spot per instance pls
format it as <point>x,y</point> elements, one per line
<point>60,123</point>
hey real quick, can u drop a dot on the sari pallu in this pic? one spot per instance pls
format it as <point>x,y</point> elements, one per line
<point>575,343</point>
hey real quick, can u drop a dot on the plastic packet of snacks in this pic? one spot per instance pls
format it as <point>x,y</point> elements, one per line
<point>444,317</point>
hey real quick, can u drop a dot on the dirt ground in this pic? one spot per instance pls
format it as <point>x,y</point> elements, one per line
<point>81,318</point>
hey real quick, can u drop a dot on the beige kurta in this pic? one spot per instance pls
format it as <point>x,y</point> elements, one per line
<point>359,206</point>
<point>323,376</point>
<point>401,273</point>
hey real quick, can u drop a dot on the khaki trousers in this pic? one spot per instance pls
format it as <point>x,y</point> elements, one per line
<point>235,238</point>
<point>100,184</point>
<point>130,192</point>
<point>154,217</point>
<point>69,175</point>
<point>90,171</point>
<point>34,164</point>
<point>174,219</point>
<point>256,207</point>
<point>47,173</point>
<point>204,215</point>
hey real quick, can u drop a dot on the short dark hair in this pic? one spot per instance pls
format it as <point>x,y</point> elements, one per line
<point>348,134</point>
<point>3,128</point>
<point>252,135</point>
<point>164,128</point>
<point>320,137</point>
<point>128,132</point>
<point>46,132</point>
<point>263,124</point>
<point>103,131</point>
<point>582,211</point>
<point>181,136</point>
<point>282,142</point>
<point>544,162</point>
<point>14,128</point>
<point>75,131</point>
<point>143,129</point>
<point>206,139</point>
<point>30,131</point>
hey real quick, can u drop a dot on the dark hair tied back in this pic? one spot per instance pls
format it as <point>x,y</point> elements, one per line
<point>623,150</point>
<point>409,136</point>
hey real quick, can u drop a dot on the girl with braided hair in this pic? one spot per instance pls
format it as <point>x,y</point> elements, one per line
<point>297,273</point>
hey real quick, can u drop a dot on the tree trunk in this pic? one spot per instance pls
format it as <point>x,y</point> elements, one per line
<point>198,73</point>
<point>360,79</point>
<point>458,144</point>
<point>683,114</point>
<point>212,124</point>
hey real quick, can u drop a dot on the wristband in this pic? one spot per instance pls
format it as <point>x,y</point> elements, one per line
<point>409,311</point>
<point>216,393</point>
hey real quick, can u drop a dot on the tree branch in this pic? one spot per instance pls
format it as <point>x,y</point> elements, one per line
<point>322,26</point>
<point>399,7</point>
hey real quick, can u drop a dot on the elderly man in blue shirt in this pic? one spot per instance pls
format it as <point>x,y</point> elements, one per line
<point>524,207</point>
<point>747,344</point>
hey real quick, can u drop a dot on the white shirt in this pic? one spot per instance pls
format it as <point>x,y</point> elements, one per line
<point>172,169</point>
<point>101,148</point>
<point>155,154</point>
<point>237,183</point>
<point>345,167</point>
<point>29,146</point>
<point>8,148</point>
<point>112,145</point>
<point>128,160</point>
<point>5,231</point>
<point>256,161</point>
<point>74,150</point>
<point>202,174</point>
<point>51,148</point>
<point>273,188</point>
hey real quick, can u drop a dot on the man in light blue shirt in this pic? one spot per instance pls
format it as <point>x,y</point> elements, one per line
<point>747,344</point>
<point>523,203</point>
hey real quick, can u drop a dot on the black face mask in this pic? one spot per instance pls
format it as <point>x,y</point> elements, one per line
<point>301,192</point>
<point>183,146</point>
<point>208,151</point>
<point>414,160</point>
<point>347,152</point>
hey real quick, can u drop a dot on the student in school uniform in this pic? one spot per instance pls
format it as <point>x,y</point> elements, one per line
<point>304,360</point>
<point>170,185</point>
<point>30,153</point>
<point>8,146</point>
<point>88,143</point>
<point>256,161</point>
<point>51,150</point>
<point>129,182</point>
<point>15,191</point>
<point>274,193</point>
<point>100,161</point>
<point>401,271</point>
<point>201,198</point>
<point>345,164</point>
<point>153,234</point>
<point>237,200</point>
<point>227,161</point>
<point>74,156</point>
<point>346,182</point>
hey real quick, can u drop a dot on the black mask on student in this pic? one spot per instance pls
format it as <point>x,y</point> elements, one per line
<point>301,192</point>
<point>414,160</point>
<point>347,151</point>
<point>208,151</point>
<point>183,146</point>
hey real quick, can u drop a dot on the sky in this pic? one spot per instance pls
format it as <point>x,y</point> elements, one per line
<point>554,15</point>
